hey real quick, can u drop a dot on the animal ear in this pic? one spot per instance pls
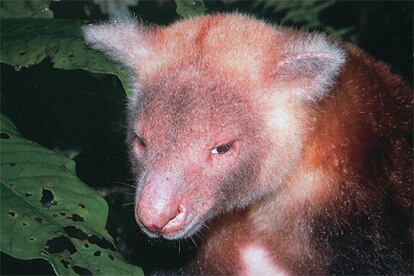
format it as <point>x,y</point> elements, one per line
<point>123,40</point>
<point>309,66</point>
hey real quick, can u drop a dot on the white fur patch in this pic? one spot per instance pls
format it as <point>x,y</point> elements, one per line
<point>285,131</point>
<point>281,119</point>
<point>256,260</point>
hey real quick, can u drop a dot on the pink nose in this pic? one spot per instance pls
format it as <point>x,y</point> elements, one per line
<point>160,208</point>
<point>162,221</point>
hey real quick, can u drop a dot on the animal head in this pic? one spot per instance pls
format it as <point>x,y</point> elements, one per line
<point>218,112</point>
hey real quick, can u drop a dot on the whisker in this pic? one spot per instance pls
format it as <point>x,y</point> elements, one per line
<point>129,193</point>
<point>192,239</point>
<point>122,183</point>
<point>205,226</point>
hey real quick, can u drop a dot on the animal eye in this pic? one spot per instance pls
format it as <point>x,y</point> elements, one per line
<point>222,149</point>
<point>140,141</point>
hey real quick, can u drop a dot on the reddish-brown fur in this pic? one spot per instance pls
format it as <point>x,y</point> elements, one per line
<point>318,178</point>
<point>346,129</point>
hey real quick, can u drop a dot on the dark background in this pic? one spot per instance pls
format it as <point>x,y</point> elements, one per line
<point>83,113</point>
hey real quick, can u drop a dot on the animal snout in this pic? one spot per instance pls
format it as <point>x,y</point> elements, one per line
<point>160,210</point>
<point>161,222</point>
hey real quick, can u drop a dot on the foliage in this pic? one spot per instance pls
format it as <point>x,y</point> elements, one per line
<point>189,8</point>
<point>59,40</point>
<point>303,13</point>
<point>48,213</point>
<point>25,9</point>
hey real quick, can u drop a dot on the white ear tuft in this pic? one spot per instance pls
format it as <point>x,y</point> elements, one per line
<point>123,40</point>
<point>310,65</point>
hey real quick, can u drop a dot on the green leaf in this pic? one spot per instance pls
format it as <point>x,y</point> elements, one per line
<point>25,9</point>
<point>25,42</point>
<point>189,8</point>
<point>48,213</point>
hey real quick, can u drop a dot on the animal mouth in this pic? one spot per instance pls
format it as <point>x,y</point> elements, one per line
<point>190,229</point>
<point>187,231</point>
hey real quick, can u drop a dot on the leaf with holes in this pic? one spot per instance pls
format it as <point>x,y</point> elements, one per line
<point>48,213</point>
<point>58,39</point>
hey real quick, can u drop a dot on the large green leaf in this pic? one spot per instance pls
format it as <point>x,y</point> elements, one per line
<point>47,212</point>
<point>25,42</point>
<point>25,9</point>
